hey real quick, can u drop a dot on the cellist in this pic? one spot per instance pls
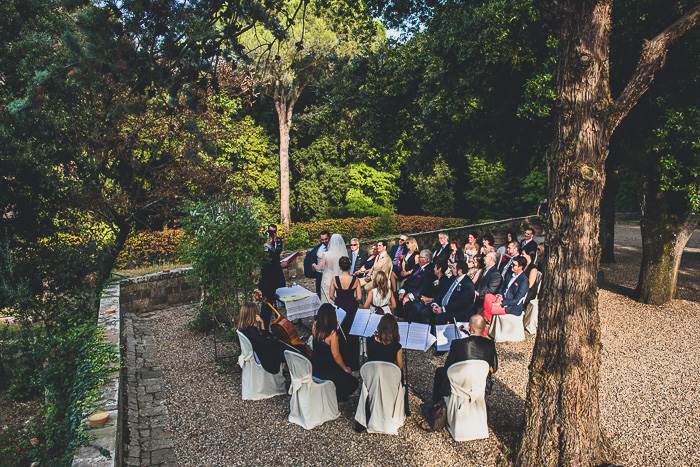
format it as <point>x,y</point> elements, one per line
<point>268,348</point>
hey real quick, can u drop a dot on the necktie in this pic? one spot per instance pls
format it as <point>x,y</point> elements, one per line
<point>446,298</point>
<point>354,258</point>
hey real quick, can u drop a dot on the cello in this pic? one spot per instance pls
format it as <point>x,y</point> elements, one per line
<point>281,327</point>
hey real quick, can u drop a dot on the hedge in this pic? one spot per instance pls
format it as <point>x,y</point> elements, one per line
<point>156,247</point>
<point>150,247</point>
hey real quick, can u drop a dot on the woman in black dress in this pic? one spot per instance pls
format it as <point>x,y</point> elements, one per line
<point>384,345</point>
<point>269,350</point>
<point>326,361</point>
<point>345,293</point>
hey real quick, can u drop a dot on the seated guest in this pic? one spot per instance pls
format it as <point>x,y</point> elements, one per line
<point>419,280</point>
<point>410,260</point>
<point>490,280</point>
<point>369,262</point>
<point>269,350</point>
<point>476,267</point>
<point>380,299</point>
<point>397,253</point>
<point>472,247</point>
<point>474,347</point>
<point>384,345</point>
<point>442,250</point>
<point>326,360</point>
<point>357,256</point>
<point>528,243</point>
<point>430,293</point>
<point>382,262</point>
<point>455,255</point>
<point>513,298</point>
<point>512,250</point>
<point>530,272</point>
<point>487,244</point>
<point>456,303</point>
<point>512,237</point>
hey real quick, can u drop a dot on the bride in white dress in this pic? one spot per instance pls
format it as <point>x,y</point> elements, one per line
<point>330,266</point>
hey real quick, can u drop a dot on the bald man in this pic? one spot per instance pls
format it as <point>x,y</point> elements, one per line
<point>474,347</point>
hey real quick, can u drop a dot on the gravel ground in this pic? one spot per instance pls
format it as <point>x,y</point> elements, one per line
<point>650,419</point>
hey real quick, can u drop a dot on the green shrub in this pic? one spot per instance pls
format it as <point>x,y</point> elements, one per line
<point>223,241</point>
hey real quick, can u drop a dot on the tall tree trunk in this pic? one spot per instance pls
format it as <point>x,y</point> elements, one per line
<point>284,116</point>
<point>667,224</point>
<point>562,414</point>
<point>607,215</point>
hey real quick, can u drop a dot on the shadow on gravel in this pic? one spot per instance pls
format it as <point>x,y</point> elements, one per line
<point>506,412</point>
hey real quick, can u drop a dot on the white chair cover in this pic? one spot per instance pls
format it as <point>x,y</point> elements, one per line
<point>507,328</point>
<point>381,384</point>
<point>256,383</point>
<point>532,310</point>
<point>466,406</point>
<point>312,403</point>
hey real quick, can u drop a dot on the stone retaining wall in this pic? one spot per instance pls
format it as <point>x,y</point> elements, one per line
<point>158,290</point>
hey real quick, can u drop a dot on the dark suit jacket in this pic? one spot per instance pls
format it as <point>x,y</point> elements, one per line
<point>443,255</point>
<point>437,291</point>
<point>461,304</point>
<point>361,258</point>
<point>512,298</point>
<point>530,247</point>
<point>489,282</point>
<point>420,281</point>
<point>473,348</point>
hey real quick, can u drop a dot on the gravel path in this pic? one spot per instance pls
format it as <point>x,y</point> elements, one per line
<point>650,400</point>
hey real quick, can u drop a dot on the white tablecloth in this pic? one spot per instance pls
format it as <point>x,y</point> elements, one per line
<point>298,301</point>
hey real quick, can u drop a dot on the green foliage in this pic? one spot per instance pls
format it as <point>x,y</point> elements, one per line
<point>372,192</point>
<point>488,186</point>
<point>385,225</point>
<point>677,150</point>
<point>223,241</point>
<point>436,189</point>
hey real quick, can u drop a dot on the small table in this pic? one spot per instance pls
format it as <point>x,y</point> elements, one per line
<point>298,301</point>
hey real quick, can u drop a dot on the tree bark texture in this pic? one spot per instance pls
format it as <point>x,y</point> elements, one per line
<point>607,216</point>
<point>562,414</point>
<point>667,224</point>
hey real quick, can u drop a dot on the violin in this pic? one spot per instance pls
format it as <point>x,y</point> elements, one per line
<point>281,327</point>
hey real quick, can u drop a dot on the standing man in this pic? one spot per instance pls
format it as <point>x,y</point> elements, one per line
<point>397,253</point>
<point>312,269</point>
<point>382,263</point>
<point>442,251</point>
<point>528,244</point>
<point>356,255</point>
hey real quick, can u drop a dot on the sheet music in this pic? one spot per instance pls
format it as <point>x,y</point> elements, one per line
<point>360,323</point>
<point>429,342</point>
<point>446,333</point>
<point>340,315</point>
<point>418,336</point>
<point>403,333</point>
<point>372,324</point>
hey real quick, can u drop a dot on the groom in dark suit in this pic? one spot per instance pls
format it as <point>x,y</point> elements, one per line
<point>313,257</point>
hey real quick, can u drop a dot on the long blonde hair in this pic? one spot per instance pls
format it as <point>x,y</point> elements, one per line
<point>381,283</point>
<point>247,314</point>
<point>411,242</point>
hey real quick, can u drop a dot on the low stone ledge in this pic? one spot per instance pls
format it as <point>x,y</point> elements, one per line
<point>107,438</point>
